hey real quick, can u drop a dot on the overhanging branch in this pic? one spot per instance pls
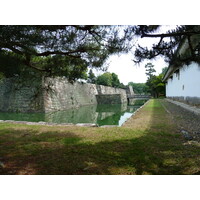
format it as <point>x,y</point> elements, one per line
<point>170,34</point>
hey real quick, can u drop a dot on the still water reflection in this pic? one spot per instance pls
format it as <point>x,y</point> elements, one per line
<point>99,114</point>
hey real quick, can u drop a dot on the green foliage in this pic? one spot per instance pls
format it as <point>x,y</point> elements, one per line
<point>122,86</point>
<point>1,76</point>
<point>150,70</point>
<point>57,65</point>
<point>85,45</point>
<point>139,88</point>
<point>166,48</point>
<point>91,77</point>
<point>60,50</point>
<point>155,84</point>
<point>10,64</point>
<point>109,79</point>
<point>115,80</point>
<point>105,79</point>
<point>164,70</point>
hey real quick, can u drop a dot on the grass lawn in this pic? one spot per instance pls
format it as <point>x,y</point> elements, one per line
<point>148,143</point>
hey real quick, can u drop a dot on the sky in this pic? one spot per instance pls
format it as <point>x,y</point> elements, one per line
<point>127,70</point>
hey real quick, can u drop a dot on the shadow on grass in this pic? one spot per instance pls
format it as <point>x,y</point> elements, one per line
<point>55,153</point>
<point>160,150</point>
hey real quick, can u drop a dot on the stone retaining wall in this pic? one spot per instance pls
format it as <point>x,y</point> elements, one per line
<point>194,101</point>
<point>51,94</point>
<point>21,96</point>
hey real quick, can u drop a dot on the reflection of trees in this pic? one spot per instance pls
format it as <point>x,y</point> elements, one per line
<point>111,107</point>
<point>108,118</point>
<point>110,114</point>
<point>137,102</point>
<point>100,114</point>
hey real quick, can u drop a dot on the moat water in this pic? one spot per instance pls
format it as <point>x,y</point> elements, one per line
<point>104,114</point>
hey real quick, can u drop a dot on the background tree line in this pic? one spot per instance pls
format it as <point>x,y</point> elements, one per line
<point>154,85</point>
<point>107,79</point>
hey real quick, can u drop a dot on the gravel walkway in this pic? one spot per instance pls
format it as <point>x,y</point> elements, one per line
<point>187,121</point>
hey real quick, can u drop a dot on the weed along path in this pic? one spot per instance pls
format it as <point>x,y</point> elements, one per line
<point>148,143</point>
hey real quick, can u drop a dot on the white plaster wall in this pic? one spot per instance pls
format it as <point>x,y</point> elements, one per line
<point>189,78</point>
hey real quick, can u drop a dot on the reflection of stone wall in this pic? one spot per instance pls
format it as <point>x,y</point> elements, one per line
<point>137,102</point>
<point>111,108</point>
<point>51,94</point>
<point>84,114</point>
<point>131,101</point>
<point>109,99</point>
<point>87,114</point>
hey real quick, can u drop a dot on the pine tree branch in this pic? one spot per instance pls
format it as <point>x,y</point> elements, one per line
<point>188,33</point>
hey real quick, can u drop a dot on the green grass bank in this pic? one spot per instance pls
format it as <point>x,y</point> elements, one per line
<point>148,143</point>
